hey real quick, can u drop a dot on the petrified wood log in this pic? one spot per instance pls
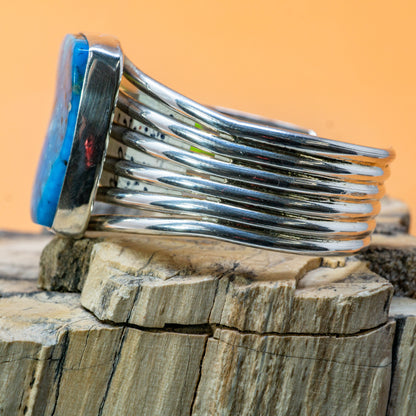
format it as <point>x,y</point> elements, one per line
<point>268,335</point>
<point>403,384</point>
<point>156,282</point>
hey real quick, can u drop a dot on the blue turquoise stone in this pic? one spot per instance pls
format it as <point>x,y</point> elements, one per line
<point>59,138</point>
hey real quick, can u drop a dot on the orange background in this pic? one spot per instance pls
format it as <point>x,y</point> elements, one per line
<point>345,69</point>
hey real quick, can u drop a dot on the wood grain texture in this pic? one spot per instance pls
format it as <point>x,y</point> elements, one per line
<point>50,347</point>
<point>403,385</point>
<point>200,333</point>
<point>159,282</point>
<point>156,373</point>
<point>58,359</point>
<point>65,263</point>
<point>249,374</point>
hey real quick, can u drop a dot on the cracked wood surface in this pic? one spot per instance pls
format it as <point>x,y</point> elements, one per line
<point>403,386</point>
<point>56,358</point>
<point>153,282</point>
<point>247,374</point>
<point>66,266</point>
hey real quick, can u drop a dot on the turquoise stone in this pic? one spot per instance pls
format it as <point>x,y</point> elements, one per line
<point>60,136</point>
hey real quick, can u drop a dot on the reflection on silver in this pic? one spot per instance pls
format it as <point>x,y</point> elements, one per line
<point>194,170</point>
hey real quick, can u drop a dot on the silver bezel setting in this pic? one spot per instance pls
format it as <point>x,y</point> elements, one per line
<point>96,110</point>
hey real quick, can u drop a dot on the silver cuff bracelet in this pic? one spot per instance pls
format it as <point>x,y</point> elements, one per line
<point>120,137</point>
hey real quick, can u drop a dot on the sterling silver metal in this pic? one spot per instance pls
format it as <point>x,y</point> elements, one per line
<point>194,170</point>
<point>99,92</point>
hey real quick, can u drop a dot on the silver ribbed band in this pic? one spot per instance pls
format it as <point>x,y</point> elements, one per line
<point>202,171</point>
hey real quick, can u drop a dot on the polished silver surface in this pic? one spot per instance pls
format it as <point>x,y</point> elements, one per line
<point>294,181</point>
<point>253,132</point>
<point>307,227</point>
<point>194,170</point>
<point>284,203</point>
<point>98,99</point>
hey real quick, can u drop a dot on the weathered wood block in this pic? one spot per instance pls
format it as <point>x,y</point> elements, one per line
<point>66,266</point>
<point>59,359</point>
<point>272,325</point>
<point>155,282</point>
<point>403,385</point>
<point>250,374</point>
